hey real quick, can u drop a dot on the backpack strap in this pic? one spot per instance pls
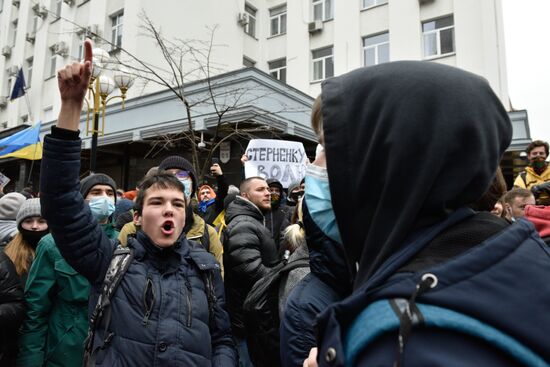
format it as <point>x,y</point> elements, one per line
<point>121,260</point>
<point>384,316</point>
<point>523,176</point>
<point>206,270</point>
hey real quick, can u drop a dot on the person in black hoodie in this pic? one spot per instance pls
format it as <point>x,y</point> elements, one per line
<point>440,133</point>
<point>276,219</point>
<point>329,280</point>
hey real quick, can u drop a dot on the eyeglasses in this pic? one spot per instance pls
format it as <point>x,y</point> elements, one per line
<point>182,174</point>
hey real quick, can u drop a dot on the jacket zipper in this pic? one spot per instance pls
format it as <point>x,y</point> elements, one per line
<point>148,307</point>
<point>189,306</point>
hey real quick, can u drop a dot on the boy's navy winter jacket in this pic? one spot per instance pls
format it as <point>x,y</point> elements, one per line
<point>177,330</point>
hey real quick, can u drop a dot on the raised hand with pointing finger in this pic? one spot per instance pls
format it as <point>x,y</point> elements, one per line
<point>73,81</point>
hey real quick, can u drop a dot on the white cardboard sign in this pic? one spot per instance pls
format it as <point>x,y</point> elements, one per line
<point>279,159</point>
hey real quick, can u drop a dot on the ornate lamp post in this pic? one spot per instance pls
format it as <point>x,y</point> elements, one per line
<point>100,87</point>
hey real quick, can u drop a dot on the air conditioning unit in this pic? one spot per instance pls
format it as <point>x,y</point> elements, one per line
<point>69,2</point>
<point>40,10</point>
<point>3,101</point>
<point>91,31</point>
<point>243,19</point>
<point>60,48</point>
<point>315,26</point>
<point>13,70</point>
<point>31,37</point>
<point>16,2</point>
<point>6,51</point>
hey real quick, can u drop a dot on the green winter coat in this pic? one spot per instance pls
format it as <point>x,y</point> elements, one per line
<point>56,322</point>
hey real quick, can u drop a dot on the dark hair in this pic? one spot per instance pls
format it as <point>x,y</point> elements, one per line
<point>152,171</point>
<point>516,193</point>
<point>536,144</point>
<point>492,195</point>
<point>245,185</point>
<point>317,119</point>
<point>162,180</point>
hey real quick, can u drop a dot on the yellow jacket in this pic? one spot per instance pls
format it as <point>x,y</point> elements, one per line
<point>195,233</point>
<point>534,179</point>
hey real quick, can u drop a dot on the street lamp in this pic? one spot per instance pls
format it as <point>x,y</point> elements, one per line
<point>100,87</point>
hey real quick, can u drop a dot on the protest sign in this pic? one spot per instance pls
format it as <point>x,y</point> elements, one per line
<point>282,160</point>
<point>4,180</point>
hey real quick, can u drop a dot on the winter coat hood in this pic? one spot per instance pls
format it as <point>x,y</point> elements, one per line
<point>433,131</point>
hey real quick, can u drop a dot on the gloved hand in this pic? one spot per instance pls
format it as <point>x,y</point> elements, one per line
<point>537,190</point>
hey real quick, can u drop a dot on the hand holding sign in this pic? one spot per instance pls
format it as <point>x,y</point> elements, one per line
<point>282,160</point>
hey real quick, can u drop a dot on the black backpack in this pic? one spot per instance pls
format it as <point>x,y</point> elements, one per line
<point>120,262</point>
<point>261,314</point>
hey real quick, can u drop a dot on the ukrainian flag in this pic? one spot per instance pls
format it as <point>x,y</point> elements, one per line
<point>24,144</point>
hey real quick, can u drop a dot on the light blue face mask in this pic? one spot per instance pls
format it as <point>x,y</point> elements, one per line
<point>186,187</point>
<point>318,199</point>
<point>102,207</point>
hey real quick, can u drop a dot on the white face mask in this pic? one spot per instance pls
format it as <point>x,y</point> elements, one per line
<point>186,187</point>
<point>102,207</point>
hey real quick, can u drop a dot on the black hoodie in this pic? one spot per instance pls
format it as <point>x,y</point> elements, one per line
<point>407,143</point>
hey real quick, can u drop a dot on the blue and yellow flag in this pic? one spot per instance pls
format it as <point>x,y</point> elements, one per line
<point>25,144</point>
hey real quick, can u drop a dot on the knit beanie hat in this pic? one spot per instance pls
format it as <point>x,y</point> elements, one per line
<point>10,204</point>
<point>30,208</point>
<point>87,183</point>
<point>175,161</point>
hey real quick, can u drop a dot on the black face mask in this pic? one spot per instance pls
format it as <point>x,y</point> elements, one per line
<point>296,195</point>
<point>33,237</point>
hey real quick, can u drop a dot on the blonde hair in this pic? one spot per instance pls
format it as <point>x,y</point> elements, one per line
<point>20,253</point>
<point>317,120</point>
<point>294,235</point>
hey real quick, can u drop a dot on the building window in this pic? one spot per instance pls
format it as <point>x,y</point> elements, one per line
<point>323,64</point>
<point>116,31</point>
<point>250,27</point>
<point>56,8</point>
<point>370,3</point>
<point>81,39</point>
<point>438,37</point>
<point>376,49</point>
<point>48,114</point>
<point>322,9</point>
<point>248,62</point>
<point>52,64</point>
<point>34,23</point>
<point>29,72</point>
<point>277,69</point>
<point>14,33</point>
<point>10,81</point>
<point>277,17</point>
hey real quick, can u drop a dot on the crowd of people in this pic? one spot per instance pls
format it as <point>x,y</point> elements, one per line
<point>401,246</point>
